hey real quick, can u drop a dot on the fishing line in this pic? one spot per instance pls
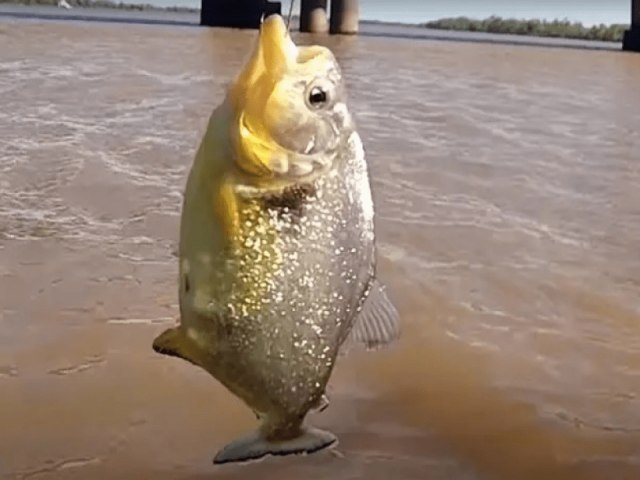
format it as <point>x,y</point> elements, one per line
<point>290,15</point>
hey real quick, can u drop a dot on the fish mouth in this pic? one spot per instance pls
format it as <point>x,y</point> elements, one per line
<point>272,159</point>
<point>259,108</point>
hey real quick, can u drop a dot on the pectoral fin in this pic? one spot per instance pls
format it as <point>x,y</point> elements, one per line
<point>377,324</point>
<point>174,343</point>
<point>225,207</point>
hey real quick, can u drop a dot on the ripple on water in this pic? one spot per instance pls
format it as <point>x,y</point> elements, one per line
<point>91,362</point>
<point>8,371</point>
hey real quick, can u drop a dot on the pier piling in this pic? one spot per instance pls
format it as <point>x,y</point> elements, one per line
<point>236,13</point>
<point>344,16</point>
<point>631,41</point>
<point>313,16</point>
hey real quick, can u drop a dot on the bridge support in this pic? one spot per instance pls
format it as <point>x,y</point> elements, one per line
<point>313,16</point>
<point>344,16</point>
<point>631,39</point>
<point>236,13</point>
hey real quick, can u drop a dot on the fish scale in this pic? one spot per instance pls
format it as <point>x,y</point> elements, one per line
<point>312,285</point>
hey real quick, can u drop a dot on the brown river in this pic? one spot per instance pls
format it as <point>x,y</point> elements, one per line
<point>507,186</point>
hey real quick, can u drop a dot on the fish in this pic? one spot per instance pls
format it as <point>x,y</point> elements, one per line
<point>277,251</point>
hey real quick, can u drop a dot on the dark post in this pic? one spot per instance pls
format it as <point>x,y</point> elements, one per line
<point>272,8</point>
<point>236,13</point>
<point>631,39</point>
<point>344,16</point>
<point>313,16</point>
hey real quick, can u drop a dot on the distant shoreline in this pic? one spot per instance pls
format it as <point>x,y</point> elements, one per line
<point>532,27</point>
<point>493,24</point>
<point>101,4</point>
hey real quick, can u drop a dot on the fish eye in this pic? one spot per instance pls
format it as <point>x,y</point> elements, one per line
<point>318,97</point>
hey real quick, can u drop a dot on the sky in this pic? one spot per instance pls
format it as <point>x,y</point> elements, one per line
<point>588,12</point>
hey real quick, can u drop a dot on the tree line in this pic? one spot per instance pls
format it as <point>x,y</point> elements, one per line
<point>541,28</point>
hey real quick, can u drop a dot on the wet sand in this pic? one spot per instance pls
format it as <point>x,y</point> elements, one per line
<point>506,182</point>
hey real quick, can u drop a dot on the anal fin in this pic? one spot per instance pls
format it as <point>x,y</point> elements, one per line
<point>174,343</point>
<point>378,323</point>
<point>323,403</point>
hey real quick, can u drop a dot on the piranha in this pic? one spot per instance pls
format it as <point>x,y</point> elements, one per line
<point>277,248</point>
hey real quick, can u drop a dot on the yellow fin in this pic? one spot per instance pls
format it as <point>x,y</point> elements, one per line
<point>174,343</point>
<point>225,205</point>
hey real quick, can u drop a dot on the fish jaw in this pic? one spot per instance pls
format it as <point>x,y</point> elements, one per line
<point>256,153</point>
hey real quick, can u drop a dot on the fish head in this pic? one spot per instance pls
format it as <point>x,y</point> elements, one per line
<point>289,110</point>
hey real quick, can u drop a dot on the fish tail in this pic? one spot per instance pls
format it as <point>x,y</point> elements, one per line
<point>255,446</point>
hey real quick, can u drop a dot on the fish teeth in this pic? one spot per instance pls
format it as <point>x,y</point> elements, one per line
<point>301,168</point>
<point>310,145</point>
<point>321,161</point>
<point>279,164</point>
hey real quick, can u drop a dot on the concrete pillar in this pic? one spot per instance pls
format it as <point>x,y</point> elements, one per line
<point>631,39</point>
<point>313,16</point>
<point>344,16</point>
<point>236,13</point>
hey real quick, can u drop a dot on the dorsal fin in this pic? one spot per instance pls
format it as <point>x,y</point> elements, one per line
<point>378,323</point>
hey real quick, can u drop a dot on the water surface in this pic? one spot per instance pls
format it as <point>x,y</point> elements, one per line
<point>506,183</point>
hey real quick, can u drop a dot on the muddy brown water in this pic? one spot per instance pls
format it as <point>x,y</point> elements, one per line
<point>507,186</point>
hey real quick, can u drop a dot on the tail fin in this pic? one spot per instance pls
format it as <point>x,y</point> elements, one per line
<point>255,446</point>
